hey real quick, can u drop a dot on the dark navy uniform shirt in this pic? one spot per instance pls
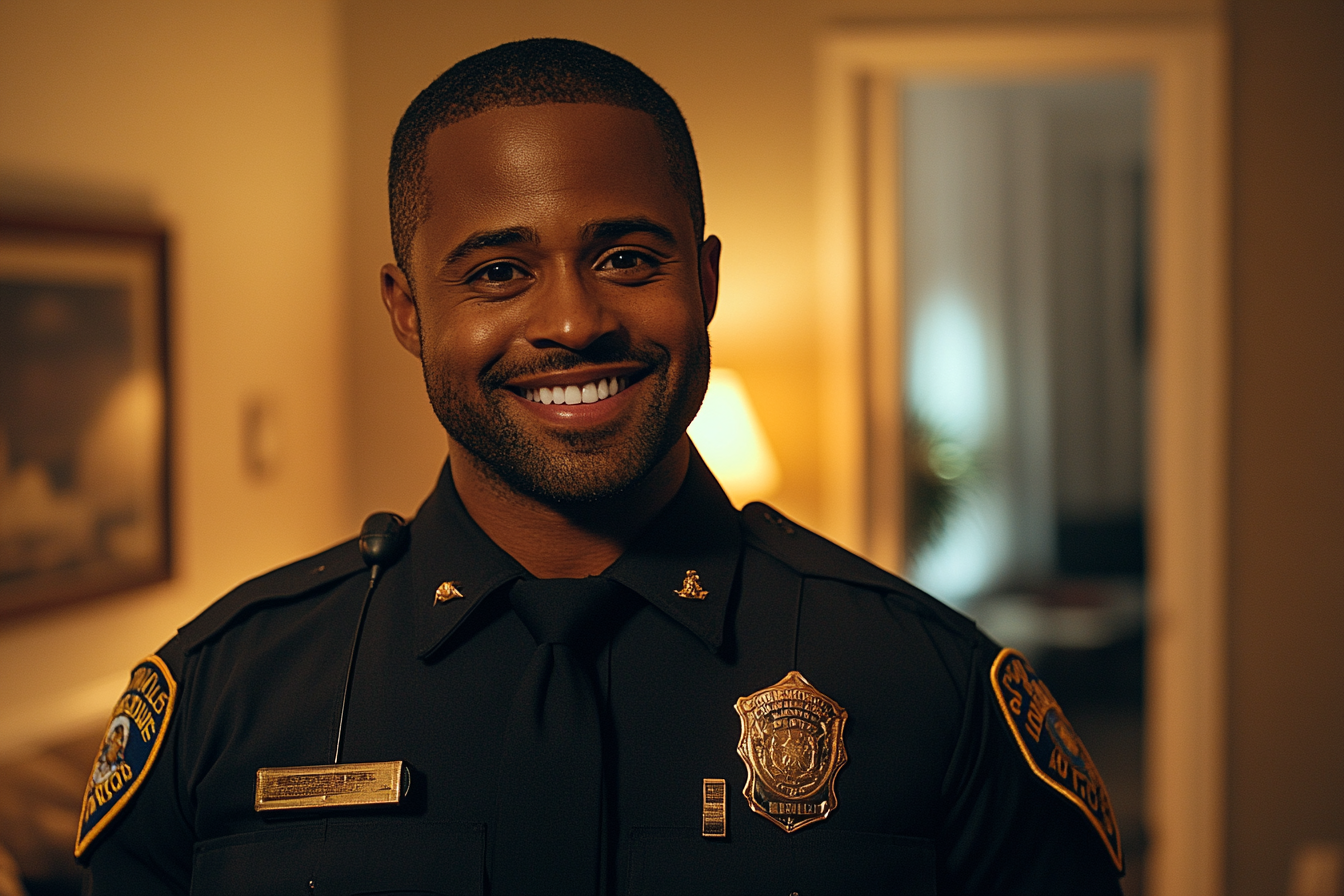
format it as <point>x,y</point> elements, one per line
<point>936,796</point>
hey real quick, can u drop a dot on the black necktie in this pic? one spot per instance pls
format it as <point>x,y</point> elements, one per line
<point>548,833</point>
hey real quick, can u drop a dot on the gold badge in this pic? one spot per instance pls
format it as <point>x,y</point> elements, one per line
<point>793,742</point>
<point>446,592</point>
<point>690,589</point>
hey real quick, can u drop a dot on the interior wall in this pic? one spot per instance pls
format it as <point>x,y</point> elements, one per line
<point>743,73</point>
<point>1286,606</point>
<point>220,120</point>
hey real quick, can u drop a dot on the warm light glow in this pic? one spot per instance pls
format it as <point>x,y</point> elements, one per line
<point>731,440</point>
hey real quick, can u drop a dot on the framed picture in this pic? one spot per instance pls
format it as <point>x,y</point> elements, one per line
<point>84,473</point>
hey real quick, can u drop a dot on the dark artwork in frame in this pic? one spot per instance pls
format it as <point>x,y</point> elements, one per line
<point>84,461</point>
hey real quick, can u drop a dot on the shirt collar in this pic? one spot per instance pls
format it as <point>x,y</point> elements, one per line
<point>696,540</point>
<point>684,563</point>
<point>454,565</point>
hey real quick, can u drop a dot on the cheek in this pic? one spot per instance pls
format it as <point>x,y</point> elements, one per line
<point>469,340</point>
<point>678,326</point>
<point>670,315</point>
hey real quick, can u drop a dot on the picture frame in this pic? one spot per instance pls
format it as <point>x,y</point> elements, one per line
<point>85,504</point>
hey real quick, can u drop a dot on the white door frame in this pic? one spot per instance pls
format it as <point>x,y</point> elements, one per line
<point>860,78</point>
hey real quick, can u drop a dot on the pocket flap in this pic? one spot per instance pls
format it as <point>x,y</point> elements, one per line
<point>344,856</point>
<point>680,860</point>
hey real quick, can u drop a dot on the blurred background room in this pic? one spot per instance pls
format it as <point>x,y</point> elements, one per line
<point>1038,302</point>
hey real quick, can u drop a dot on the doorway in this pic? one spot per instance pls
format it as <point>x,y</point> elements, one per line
<point>1023,245</point>
<point>1023,287</point>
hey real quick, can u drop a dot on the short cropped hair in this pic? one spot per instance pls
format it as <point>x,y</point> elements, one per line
<point>529,73</point>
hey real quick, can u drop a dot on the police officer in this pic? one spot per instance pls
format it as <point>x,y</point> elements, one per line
<point>579,669</point>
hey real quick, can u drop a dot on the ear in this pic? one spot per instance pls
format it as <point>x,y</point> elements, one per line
<point>709,276</point>
<point>400,305</point>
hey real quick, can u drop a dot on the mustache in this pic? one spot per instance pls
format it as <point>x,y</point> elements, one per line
<point>557,360</point>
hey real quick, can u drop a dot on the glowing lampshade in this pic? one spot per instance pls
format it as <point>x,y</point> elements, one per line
<point>732,442</point>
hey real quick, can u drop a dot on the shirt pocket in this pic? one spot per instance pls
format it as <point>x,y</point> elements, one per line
<point>680,860</point>
<point>344,856</point>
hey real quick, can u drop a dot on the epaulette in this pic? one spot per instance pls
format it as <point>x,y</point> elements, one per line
<point>285,583</point>
<point>811,555</point>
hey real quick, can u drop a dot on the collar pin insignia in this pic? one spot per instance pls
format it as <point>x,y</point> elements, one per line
<point>446,592</point>
<point>690,589</point>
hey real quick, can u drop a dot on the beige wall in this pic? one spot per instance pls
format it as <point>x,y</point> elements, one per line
<point>222,121</point>
<point>1286,601</point>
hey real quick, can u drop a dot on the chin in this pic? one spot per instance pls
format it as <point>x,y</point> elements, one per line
<point>567,477</point>
<point>576,467</point>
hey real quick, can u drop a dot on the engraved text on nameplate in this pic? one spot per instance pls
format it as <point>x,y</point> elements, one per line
<point>317,786</point>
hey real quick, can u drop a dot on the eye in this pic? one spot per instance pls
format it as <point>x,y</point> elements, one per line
<point>625,260</point>
<point>499,272</point>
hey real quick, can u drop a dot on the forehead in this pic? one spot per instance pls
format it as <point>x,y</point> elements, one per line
<point>509,165</point>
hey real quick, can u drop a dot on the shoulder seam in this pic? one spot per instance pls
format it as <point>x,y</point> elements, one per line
<point>291,581</point>
<point>769,531</point>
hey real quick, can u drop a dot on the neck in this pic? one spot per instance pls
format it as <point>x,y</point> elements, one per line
<point>565,541</point>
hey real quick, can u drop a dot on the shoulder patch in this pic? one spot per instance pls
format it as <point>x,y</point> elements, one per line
<point>1051,747</point>
<point>130,745</point>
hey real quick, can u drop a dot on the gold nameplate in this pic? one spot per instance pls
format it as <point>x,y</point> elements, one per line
<point>714,817</point>
<point>330,786</point>
<point>793,742</point>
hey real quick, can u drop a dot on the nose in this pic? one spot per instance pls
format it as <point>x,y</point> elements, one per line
<point>566,313</point>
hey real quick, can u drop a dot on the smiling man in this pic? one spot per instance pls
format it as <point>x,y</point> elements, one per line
<point>579,669</point>
<point>555,283</point>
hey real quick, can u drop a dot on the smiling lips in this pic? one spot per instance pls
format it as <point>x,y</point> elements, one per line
<point>588,393</point>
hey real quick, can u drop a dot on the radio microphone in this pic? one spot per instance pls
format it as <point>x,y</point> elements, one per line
<point>382,538</point>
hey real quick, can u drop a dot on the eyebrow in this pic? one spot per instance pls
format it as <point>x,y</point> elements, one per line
<point>490,239</point>
<point>619,227</point>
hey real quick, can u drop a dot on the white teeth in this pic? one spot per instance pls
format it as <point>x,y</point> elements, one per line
<point>588,393</point>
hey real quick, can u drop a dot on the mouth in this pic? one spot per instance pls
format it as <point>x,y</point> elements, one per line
<point>589,384</point>
<point>590,392</point>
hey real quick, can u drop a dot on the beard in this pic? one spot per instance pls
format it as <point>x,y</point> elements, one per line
<point>573,467</point>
